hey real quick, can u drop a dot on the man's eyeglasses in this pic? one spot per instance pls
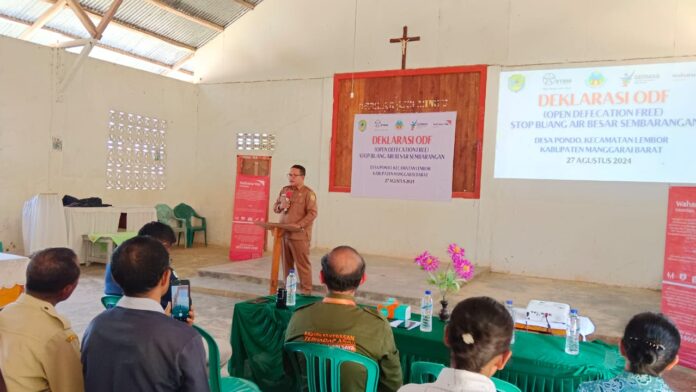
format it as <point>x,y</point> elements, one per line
<point>290,175</point>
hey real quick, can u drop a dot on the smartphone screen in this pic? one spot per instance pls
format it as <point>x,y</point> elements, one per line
<point>181,299</point>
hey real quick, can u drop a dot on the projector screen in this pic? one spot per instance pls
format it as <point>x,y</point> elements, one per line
<point>619,123</point>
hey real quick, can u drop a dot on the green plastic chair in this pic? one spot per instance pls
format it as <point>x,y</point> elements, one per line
<point>184,211</point>
<point>217,382</point>
<point>109,301</point>
<point>320,357</point>
<point>504,386</point>
<point>425,372</point>
<point>166,215</point>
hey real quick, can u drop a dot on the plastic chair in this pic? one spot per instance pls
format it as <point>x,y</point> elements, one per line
<point>425,372</point>
<point>166,215</point>
<point>184,211</point>
<point>109,301</point>
<point>504,386</point>
<point>217,382</point>
<point>320,357</point>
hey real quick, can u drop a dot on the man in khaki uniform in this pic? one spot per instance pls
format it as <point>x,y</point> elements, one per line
<point>38,350</point>
<point>338,321</point>
<point>297,204</point>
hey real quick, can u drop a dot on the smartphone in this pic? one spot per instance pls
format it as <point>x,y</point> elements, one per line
<point>181,299</point>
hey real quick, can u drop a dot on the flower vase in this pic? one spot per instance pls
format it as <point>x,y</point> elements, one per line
<point>444,313</point>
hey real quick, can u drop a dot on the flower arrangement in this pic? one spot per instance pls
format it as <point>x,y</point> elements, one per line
<point>447,280</point>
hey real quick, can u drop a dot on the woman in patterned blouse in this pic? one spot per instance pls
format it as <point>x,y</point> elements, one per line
<point>650,345</point>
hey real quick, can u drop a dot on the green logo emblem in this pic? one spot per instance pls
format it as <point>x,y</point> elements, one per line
<point>362,125</point>
<point>516,82</point>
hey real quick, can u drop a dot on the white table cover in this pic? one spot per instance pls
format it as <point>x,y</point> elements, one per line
<point>13,269</point>
<point>86,220</point>
<point>137,216</point>
<point>43,223</point>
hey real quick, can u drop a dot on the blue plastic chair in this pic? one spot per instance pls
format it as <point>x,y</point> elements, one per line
<point>217,382</point>
<point>319,358</point>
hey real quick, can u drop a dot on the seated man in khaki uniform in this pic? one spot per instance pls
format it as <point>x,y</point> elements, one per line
<point>338,320</point>
<point>39,350</point>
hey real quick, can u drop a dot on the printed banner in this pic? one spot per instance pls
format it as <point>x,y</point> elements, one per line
<point>619,123</point>
<point>251,197</point>
<point>403,156</point>
<point>679,276</point>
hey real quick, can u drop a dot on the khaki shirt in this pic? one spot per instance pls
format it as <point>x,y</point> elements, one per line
<point>302,211</point>
<point>38,350</point>
<point>354,329</point>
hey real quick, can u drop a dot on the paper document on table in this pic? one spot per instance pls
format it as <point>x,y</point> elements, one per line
<point>408,324</point>
<point>586,325</point>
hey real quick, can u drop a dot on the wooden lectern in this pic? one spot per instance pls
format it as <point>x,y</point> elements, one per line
<point>278,230</point>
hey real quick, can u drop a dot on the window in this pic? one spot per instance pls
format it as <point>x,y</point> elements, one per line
<point>136,152</point>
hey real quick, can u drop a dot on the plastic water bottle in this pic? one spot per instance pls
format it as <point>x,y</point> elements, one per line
<point>572,346</point>
<point>427,312</point>
<point>291,287</point>
<point>511,309</point>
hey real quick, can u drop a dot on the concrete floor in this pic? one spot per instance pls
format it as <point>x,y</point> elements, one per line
<point>609,307</point>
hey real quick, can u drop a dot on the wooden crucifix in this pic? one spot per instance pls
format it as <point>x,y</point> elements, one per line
<point>404,39</point>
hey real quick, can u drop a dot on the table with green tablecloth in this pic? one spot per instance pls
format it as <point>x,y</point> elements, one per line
<point>538,362</point>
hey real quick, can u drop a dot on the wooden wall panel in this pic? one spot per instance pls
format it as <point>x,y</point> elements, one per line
<point>460,89</point>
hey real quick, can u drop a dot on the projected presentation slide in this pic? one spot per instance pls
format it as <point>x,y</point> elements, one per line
<point>619,123</point>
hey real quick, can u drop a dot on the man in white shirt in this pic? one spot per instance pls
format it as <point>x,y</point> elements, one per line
<point>135,346</point>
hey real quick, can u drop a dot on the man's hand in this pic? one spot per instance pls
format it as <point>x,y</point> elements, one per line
<point>284,202</point>
<point>294,226</point>
<point>191,316</point>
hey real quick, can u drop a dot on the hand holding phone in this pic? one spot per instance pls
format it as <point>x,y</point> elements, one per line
<point>181,299</point>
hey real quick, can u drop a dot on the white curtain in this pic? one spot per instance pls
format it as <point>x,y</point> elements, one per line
<point>43,223</point>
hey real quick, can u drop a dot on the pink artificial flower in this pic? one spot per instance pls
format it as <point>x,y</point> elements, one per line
<point>463,268</point>
<point>455,250</point>
<point>288,194</point>
<point>427,261</point>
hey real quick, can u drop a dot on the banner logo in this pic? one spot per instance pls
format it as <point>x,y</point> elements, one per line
<point>399,125</point>
<point>516,82</point>
<point>596,79</point>
<point>362,125</point>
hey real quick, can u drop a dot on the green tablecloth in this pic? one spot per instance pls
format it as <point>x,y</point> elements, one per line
<point>117,238</point>
<point>538,362</point>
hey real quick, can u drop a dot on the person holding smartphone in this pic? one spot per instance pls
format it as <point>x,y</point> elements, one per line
<point>135,346</point>
<point>162,233</point>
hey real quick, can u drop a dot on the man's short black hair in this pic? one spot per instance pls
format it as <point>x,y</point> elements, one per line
<point>51,269</point>
<point>138,264</point>
<point>300,168</point>
<point>336,281</point>
<point>159,231</point>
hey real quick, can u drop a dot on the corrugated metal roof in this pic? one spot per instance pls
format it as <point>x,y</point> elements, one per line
<point>26,10</point>
<point>138,13</point>
<point>155,19</point>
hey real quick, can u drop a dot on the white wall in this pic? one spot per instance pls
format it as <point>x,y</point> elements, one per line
<point>30,115</point>
<point>272,71</point>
